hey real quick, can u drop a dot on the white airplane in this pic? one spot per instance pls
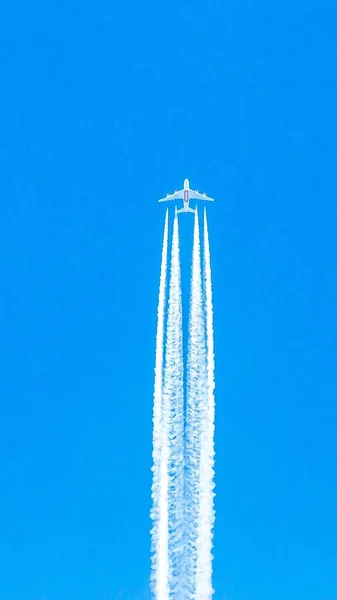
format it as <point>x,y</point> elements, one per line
<point>186,195</point>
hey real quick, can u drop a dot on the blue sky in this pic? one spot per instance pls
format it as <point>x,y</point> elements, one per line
<point>104,107</point>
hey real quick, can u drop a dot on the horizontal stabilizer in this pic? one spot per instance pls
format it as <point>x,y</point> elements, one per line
<point>181,210</point>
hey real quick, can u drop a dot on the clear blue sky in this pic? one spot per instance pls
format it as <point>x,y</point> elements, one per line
<point>104,107</point>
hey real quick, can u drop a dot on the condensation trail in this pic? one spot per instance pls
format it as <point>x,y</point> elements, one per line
<point>159,512</point>
<point>173,407</point>
<point>195,408</point>
<point>183,467</point>
<point>204,590</point>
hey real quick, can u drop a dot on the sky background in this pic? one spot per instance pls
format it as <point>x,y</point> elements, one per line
<point>104,108</point>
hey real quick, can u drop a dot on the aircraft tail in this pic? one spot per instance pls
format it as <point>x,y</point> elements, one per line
<point>181,210</point>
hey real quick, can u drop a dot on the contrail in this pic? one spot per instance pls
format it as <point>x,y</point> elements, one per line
<point>159,512</point>
<point>183,444</point>
<point>173,406</point>
<point>195,409</point>
<point>204,590</point>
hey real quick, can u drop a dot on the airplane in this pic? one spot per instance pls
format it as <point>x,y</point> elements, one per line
<point>186,194</point>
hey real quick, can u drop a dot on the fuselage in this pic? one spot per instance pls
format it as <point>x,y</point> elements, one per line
<point>186,194</point>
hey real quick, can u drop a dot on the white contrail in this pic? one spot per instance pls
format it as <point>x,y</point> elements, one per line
<point>173,407</point>
<point>195,408</point>
<point>204,590</point>
<point>159,512</point>
<point>183,475</point>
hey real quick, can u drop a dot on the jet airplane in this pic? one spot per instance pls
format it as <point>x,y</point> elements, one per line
<point>186,194</point>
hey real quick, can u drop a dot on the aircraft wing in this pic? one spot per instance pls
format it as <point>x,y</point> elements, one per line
<point>194,195</point>
<point>176,196</point>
